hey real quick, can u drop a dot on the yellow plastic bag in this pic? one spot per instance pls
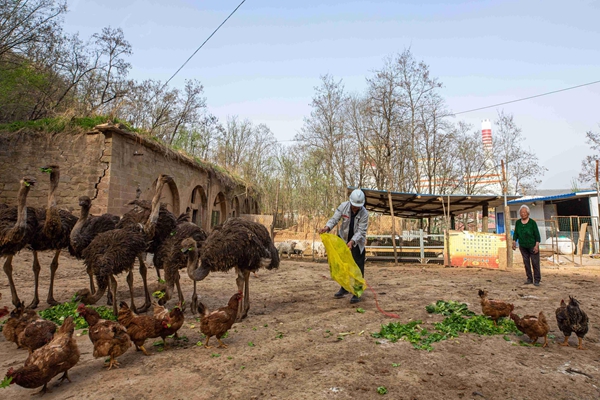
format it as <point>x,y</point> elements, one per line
<point>342,267</point>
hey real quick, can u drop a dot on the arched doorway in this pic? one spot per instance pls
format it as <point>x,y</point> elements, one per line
<point>169,196</point>
<point>219,210</point>
<point>198,206</point>
<point>235,207</point>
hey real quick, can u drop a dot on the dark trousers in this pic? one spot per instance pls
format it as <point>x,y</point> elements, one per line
<point>359,259</point>
<point>531,260</point>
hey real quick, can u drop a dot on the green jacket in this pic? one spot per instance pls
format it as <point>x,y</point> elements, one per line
<point>527,234</point>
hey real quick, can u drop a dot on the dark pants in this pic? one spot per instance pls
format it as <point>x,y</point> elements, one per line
<point>531,260</point>
<point>359,259</point>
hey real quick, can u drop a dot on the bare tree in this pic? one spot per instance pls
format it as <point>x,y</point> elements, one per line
<point>588,165</point>
<point>25,23</point>
<point>523,171</point>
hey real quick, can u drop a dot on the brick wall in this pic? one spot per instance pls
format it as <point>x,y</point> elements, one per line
<point>109,165</point>
<point>80,157</point>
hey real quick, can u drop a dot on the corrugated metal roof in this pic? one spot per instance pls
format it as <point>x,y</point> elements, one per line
<point>418,205</point>
<point>566,196</point>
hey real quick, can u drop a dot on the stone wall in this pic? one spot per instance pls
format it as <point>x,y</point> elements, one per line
<point>109,165</point>
<point>79,156</point>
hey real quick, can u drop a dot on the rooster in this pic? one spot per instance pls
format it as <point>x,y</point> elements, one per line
<point>570,318</point>
<point>532,326</point>
<point>218,322</point>
<point>494,309</point>
<point>60,355</point>
<point>109,338</point>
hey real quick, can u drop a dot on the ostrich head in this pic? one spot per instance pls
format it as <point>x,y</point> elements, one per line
<point>26,181</point>
<point>188,244</point>
<point>85,201</point>
<point>83,296</point>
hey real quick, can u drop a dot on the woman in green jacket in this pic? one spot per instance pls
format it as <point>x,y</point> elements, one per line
<point>528,235</point>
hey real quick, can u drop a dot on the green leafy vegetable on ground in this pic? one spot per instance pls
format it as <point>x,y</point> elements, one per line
<point>57,314</point>
<point>381,390</point>
<point>459,320</point>
<point>5,382</point>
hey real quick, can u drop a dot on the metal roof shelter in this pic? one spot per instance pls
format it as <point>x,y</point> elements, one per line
<point>416,205</point>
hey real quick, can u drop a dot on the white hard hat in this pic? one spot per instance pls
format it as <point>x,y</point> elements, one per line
<point>357,198</point>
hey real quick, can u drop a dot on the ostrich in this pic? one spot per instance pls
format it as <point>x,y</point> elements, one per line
<point>17,225</point>
<point>87,228</point>
<point>113,252</point>
<point>165,224</point>
<point>54,229</point>
<point>240,244</point>
<point>170,257</point>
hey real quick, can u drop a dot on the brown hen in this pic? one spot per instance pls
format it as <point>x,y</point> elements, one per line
<point>494,309</point>
<point>532,326</point>
<point>218,322</point>
<point>60,355</point>
<point>141,327</point>
<point>19,318</point>
<point>109,338</point>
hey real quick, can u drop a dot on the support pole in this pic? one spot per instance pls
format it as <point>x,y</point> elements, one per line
<point>393,228</point>
<point>484,219</point>
<point>509,250</point>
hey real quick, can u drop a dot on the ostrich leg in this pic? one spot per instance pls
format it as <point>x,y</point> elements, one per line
<point>91,275</point>
<point>194,304</point>
<point>130,284</point>
<point>181,298</point>
<point>112,287</point>
<point>144,273</point>
<point>36,280</point>
<point>53,268</point>
<point>13,290</point>
<point>242,284</point>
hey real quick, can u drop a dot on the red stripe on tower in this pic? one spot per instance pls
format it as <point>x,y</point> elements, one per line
<point>486,134</point>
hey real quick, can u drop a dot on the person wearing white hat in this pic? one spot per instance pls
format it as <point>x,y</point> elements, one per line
<point>355,222</point>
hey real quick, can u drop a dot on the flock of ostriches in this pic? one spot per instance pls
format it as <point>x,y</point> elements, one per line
<point>108,245</point>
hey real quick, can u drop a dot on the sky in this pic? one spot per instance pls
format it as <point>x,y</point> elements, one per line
<point>265,62</point>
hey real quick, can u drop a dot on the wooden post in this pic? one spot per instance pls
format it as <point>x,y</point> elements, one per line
<point>597,246</point>
<point>509,250</point>
<point>484,218</point>
<point>581,241</point>
<point>393,228</point>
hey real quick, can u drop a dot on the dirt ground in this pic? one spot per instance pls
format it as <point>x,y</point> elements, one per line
<point>288,346</point>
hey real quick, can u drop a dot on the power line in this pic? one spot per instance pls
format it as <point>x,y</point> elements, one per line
<point>202,45</point>
<point>527,98</point>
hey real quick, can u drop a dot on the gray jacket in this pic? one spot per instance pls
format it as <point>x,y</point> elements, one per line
<point>361,223</point>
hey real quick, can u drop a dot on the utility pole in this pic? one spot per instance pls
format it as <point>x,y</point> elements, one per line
<point>509,251</point>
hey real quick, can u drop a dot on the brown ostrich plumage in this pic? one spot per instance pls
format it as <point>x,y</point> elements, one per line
<point>87,228</point>
<point>240,244</point>
<point>170,257</point>
<point>113,252</point>
<point>54,230</point>
<point>162,227</point>
<point>17,227</point>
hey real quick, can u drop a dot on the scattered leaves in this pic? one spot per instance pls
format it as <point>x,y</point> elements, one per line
<point>382,390</point>
<point>250,344</point>
<point>5,382</point>
<point>58,313</point>
<point>395,365</point>
<point>215,355</point>
<point>360,310</point>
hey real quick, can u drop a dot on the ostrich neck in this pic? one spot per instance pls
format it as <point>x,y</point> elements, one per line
<point>54,177</point>
<point>153,218</point>
<point>22,208</point>
<point>192,265</point>
<point>85,213</point>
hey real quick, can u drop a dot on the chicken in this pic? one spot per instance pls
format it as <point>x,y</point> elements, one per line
<point>571,318</point>
<point>36,334</point>
<point>60,355</point>
<point>532,326</point>
<point>174,320</point>
<point>141,327</point>
<point>159,312</point>
<point>218,322</point>
<point>109,338</point>
<point>494,308</point>
<point>20,317</point>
